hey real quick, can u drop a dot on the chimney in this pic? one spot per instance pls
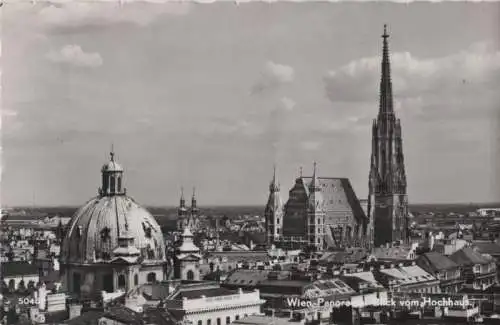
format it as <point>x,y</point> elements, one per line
<point>75,311</point>
<point>240,291</point>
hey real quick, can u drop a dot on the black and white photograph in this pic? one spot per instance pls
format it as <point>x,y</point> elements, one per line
<point>250,162</point>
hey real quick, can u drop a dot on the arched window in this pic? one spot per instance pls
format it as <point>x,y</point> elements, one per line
<point>209,322</point>
<point>121,281</point>
<point>218,321</point>
<point>112,184</point>
<point>151,277</point>
<point>200,322</point>
<point>12,285</point>
<point>119,184</point>
<point>136,279</point>
<point>237,317</point>
<point>211,266</point>
<point>190,275</point>
<point>228,320</point>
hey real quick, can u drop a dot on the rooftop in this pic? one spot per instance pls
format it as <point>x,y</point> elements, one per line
<point>18,268</point>
<point>468,256</point>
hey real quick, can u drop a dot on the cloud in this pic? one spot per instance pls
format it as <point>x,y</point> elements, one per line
<point>310,145</point>
<point>226,127</point>
<point>273,76</point>
<point>477,68</point>
<point>286,104</point>
<point>74,55</point>
<point>77,13</point>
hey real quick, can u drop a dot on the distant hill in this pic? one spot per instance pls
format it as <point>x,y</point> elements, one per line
<point>170,213</point>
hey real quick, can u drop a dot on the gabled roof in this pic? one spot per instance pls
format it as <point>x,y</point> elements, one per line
<point>12,269</point>
<point>438,262</point>
<point>339,197</point>
<point>468,256</point>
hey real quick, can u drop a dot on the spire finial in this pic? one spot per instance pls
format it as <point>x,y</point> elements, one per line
<point>300,171</point>
<point>182,192</point>
<point>194,191</point>
<point>274,172</point>
<point>385,35</point>
<point>112,153</point>
<point>314,170</point>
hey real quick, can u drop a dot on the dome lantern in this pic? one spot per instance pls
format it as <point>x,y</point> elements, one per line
<point>112,178</point>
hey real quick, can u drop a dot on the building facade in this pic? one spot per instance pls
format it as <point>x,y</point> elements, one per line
<point>387,199</point>
<point>209,304</point>
<point>112,243</point>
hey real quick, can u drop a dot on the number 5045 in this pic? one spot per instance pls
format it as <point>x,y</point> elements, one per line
<point>28,301</point>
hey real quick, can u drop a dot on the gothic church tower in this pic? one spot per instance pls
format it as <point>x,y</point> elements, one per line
<point>274,212</point>
<point>387,199</point>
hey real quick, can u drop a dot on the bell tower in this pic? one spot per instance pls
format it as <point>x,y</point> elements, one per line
<point>387,199</point>
<point>274,211</point>
<point>315,214</point>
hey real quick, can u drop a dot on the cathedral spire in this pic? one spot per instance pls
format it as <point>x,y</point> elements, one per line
<point>274,186</point>
<point>193,199</point>
<point>386,106</point>
<point>182,202</point>
<point>314,186</point>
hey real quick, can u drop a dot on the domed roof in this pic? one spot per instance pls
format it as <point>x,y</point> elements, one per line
<point>112,166</point>
<point>95,229</point>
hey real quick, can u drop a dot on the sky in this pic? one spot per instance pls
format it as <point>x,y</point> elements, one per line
<point>212,95</point>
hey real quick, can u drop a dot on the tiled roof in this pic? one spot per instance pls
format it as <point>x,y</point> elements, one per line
<point>487,248</point>
<point>468,256</point>
<point>197,291</point>
<point>12,269</point>
<point>396,253</point>
<point>246,277</point>
<point>339,197</point>
<point>438,262</point>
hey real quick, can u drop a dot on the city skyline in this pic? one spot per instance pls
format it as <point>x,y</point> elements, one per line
<point>216,108</point>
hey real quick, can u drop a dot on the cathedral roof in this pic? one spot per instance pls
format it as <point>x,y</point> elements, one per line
<point>338,197</point>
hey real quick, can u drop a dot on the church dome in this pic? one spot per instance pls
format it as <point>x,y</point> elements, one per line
<point>97,228</point>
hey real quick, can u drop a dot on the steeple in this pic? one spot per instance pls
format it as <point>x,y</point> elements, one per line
<point>386,104</point>
<point>314,186</point>
<point>112,176</point>
<point>193,199</point>
<point>387,179</point>
<point>182,201</point>
<point>274,186</point>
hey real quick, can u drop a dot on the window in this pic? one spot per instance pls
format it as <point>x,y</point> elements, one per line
<point>237,317</point>
<point>209,322</point>
<point>190,275</point>
<point>151,277</point>
<point>119,184</point>
<point>200,322</point>
<point>136,279</point>
<point>218,321</point>
<point>112,184</point>
<point>278,220</point>
<point>121,281</point>
<point>228,320</point>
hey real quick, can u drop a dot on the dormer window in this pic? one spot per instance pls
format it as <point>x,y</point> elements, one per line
<point>105,234</point>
